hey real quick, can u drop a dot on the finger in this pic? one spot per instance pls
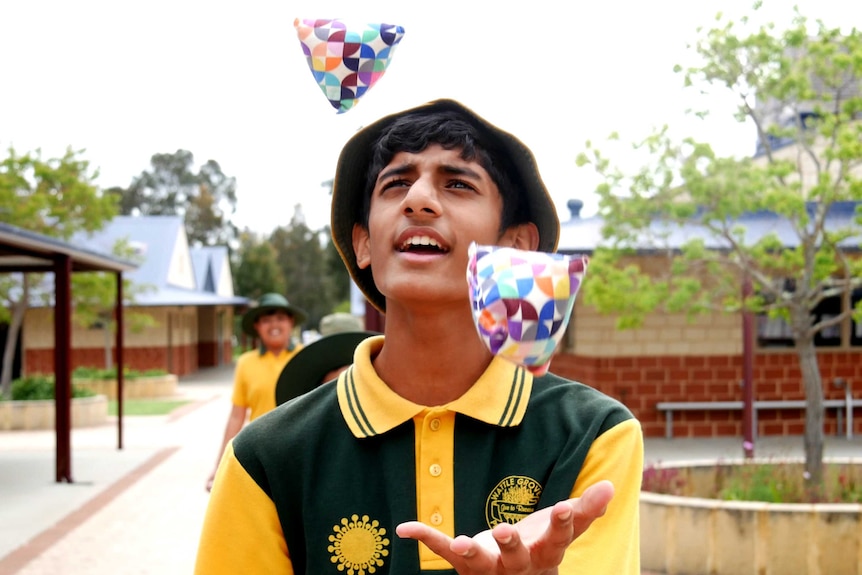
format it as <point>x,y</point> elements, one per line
<point>464,553</point>
<point>514,555</point>
<point>591,505</point>
<point>437,541</point>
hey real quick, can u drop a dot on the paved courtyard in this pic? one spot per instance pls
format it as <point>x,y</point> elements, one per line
<point>138,511</point>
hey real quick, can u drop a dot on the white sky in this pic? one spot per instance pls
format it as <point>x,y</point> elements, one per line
<point>124,80</point>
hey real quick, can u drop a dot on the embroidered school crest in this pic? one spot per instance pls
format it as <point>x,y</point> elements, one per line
<point>512,499</point>
<point>358,545</point>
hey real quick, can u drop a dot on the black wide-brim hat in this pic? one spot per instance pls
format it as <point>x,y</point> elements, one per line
<point>350,179</point>
<point>306,370</point>
<point>271,302</point>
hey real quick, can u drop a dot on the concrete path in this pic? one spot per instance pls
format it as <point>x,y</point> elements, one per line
<point>132,511</point>
<point>138,511</point>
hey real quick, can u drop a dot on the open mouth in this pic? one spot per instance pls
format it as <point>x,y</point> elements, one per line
<point>422,245</point>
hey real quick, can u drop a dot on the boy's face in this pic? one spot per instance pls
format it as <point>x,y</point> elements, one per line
<point>274,329</point>
<point>425,210</point>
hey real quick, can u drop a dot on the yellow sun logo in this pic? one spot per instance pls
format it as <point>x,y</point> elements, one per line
<point>358,545</point>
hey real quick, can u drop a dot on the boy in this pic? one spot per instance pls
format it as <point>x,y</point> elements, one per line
<point>427,436</point>
<point>271,321</point>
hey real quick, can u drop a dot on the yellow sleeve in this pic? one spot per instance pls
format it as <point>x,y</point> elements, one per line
<point>239,395</point>
<point>241,531</point>
<point>611,546</point>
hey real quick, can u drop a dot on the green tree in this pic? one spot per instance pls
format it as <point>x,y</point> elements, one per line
<point>303,263</point>
<point>806,81</point>
<point>337,272</point>
<point>55,197</point>
<point>256,269</point>
<point>205,199</point>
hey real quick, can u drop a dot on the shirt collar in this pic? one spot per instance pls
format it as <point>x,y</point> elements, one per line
<point>291,345</point>
<point>370,407</point>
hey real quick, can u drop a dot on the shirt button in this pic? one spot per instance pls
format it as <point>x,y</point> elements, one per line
<point>436,518</point>
<point>435,470</point>
<point>435,424</point>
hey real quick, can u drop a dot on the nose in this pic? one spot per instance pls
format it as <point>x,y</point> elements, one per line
<point>421,198</point>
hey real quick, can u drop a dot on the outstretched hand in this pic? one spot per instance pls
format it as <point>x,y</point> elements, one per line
<point>535,545</point>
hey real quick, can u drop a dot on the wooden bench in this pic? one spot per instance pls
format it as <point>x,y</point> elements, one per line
<point>842,405</point>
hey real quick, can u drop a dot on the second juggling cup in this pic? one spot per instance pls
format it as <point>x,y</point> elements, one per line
<point>522,301</point>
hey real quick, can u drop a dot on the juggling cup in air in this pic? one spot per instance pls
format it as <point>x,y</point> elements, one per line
<point>346,60</point>
<point>522,301</point>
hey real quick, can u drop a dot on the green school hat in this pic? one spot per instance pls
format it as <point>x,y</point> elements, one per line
<point>306,370</point>
<point>350,177</point>
<point>270,302</point>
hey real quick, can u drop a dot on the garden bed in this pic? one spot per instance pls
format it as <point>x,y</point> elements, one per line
<point>41,414</point>
<point>145,387</point>
<point>689,534</point>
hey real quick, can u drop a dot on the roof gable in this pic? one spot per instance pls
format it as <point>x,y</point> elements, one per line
<point>180,275</point>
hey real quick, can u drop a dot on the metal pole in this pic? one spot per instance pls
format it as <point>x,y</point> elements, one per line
<point>848,406</point>
<point>118,345</point>
<point>63,367</point>
<point>747,372</point>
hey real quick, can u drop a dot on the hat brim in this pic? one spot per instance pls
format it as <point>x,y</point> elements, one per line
<point>251,316</point>
<point>306,370</point>
<point>350,178</point>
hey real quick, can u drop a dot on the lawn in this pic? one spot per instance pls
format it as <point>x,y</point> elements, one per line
<point>146,406</point>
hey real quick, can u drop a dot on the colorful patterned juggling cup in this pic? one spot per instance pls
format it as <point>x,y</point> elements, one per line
<point>522,301</point>
<point>347,60</point>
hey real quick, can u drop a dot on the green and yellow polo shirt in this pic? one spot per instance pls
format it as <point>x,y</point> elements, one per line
<point>318,485</point>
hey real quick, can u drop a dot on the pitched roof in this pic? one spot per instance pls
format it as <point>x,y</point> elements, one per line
<point>176,273</point>
<point>23,250</point>
<point>212,269</point>
<point>584,234</point>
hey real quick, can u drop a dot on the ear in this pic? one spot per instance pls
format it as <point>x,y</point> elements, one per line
<point>361,246</point>
<point>521,236</point>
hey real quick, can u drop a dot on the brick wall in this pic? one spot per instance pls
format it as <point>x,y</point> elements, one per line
<point>181,360</point>
<point>641,382</point>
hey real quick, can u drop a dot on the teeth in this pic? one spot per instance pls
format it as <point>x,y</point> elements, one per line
<point>421,241</point>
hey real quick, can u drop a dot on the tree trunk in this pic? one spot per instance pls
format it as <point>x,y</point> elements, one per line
<point>18,309</point>
<point>813,412</point>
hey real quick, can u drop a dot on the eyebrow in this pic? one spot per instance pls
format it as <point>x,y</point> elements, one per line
<point>446,169</point>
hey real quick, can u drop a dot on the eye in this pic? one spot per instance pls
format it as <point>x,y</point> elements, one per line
<point>392,184</point>
<point>460,185</point>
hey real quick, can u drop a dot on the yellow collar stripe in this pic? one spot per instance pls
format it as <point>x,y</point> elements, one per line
<point>369,407</point>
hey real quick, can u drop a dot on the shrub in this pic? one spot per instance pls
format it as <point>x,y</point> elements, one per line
<point>111,373</point>
<point>770,482</point>
<point>40,387</point>
<point>664,480</point>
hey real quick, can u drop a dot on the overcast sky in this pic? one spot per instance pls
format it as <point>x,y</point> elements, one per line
<point>227,81</point>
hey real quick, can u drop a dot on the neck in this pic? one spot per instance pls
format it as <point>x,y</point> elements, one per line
<point>431,357</point>
<point>277,350</point>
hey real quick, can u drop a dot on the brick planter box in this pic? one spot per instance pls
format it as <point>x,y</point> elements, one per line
<point>133,388</point>
<point>40,414</point>
<point>694,536</point>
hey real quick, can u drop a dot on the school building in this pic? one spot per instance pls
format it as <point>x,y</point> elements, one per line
<point>186,294</point>
<point>700,362</point>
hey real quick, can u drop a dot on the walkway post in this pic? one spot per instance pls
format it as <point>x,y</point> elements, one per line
<point>747,371</point>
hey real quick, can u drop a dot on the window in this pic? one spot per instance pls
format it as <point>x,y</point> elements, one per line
<point>777,333</point>
<point>773,332</point>
<point>856,331</point>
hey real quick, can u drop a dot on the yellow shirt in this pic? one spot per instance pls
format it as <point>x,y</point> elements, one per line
<point>255,378</point>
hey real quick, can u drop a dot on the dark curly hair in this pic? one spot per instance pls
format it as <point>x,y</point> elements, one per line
<point>416,131</point>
